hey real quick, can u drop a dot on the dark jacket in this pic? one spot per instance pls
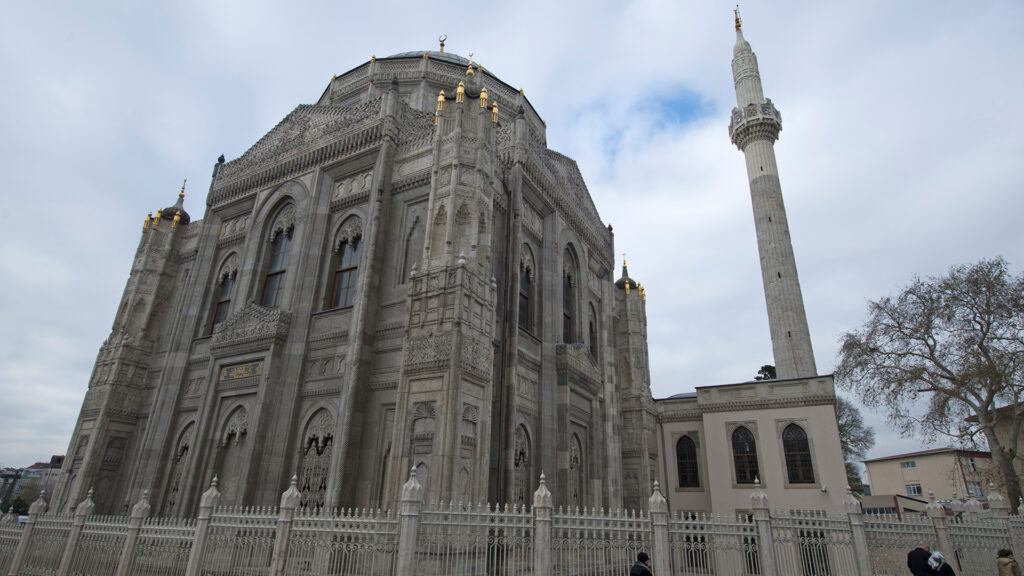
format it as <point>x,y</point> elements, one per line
<point>944,570</point>
<point>640,569</point>
<point>917,561</point>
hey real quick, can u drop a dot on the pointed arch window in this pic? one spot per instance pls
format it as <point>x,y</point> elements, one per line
<point>798,455</point>
<point>277,267</point>
<point>225,290</point>
<point>686,462</point>
<point>592,332</point>
<point>744,453</point>
<point>346,272</point>
<point>525,300</point>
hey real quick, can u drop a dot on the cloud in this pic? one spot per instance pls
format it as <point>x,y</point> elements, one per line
<point>899,155</point>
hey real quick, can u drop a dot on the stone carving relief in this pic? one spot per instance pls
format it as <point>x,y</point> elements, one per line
<point>194,385</point>
<point>350,230</point>
<point>178,461</point>
<point>236,428</point>
<point>229,269</point>
<point>252,323</point>
<point>284,222</point>
<point>631,487</point>
<point>432,351</point>
<point>316,459</point>
<point>437,232</point>
<point>526,263</point>
<point>352,186</point>
<point>477,355</point>
<point>444,177</point>
<point>463,237</point>
<point>325,367</point>
<point>234,227</point>
<point>413,249</point>
<point>532,220</point>
<point>424,420</point>
<point>470,418</point>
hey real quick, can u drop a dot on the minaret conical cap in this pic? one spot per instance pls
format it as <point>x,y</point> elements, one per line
<point>741,44</point>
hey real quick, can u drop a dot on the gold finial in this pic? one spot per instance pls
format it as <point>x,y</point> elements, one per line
<point>520,91</point>
<point>156,219</point>
<point>425,55</point>
<point>145,223</point>
<point>460,93</point>
<point>373,58</point>
<point>483,97</point>
<point>739,22</point>
<point>177,218</point>
<point>441,39</point>
<point>479,67</point>
<point>435,118</point>
<point>334,77</point>
<point>494,113</point>
<point>623,259</point>
<point>643,293</point>
<point>182,193</point>
<point>440,101</point>
<point>469,69</point>
<point>626,284</point>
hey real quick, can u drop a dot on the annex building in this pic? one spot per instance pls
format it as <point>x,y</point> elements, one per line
<point>404,274</point>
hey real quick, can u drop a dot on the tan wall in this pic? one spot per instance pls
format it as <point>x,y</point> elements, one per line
<point>942,472</point>
<point>718,491</point>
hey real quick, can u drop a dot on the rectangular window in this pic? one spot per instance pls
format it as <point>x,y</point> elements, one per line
<point>908,464</point>
<point>975,490</point>
<point>972,466</point>
<point>914,490</point>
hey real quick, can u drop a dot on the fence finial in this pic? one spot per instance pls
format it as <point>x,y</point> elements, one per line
<point>542,497</point>
<point>39,506</point>
<point>291,497</point>
<point>412,489</point>
<point>850,502</point>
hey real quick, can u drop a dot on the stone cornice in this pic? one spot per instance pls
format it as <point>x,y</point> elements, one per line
<point>755,122</point>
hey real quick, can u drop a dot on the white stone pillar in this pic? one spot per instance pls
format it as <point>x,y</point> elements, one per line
<point>38,507</point>
<point>206,505</point>
<point>409,517</point>
<point>858,534</point>
<point>542,509</point>
<point>139,513</point>
<point>765,542</point>
<point>659,525</point>
<point>84,509</point>
<point>289,502</point>
<point>940,524</point>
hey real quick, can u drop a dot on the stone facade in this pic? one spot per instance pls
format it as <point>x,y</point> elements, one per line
<point>402,275</point>
<point>392,277</point>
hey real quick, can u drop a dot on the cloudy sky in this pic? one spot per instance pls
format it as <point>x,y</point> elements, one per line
<point>901,153</point>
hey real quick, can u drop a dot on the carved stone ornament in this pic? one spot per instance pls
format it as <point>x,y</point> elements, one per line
<point>252,324</point>
<point>432,351</point>
<point>284,222</point>
<point>237,425</point>
<point>229,269</point>
<point>526,263</point>
<point>349,231</point>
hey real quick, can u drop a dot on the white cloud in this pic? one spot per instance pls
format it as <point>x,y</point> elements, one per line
<point>899,155</point>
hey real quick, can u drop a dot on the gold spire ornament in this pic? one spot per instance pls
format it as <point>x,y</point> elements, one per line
<point>460,93</point>
<point>739,21</point>
<point>494,113</point>
<point>426,56</point>
<point>156,219</point>
<point>440,101</point>
<point>483,97</point>
<point>643,293</point>
<point>149,218</point>
<point>182,193</point>
<point>373,58</point>
<point>626,285</point>
<point>177,218</point>
<point>441,39</point>
<point>469,69</point>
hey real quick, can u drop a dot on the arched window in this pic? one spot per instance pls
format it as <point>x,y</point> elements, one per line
<point>225,289</point>
<point>744,453</point>
<point>273,284</point>
<point>798,455</point>
<point>686,461</point>
<point>569,268</point>
<point>526,284</point>
<point>346,272</point>
<point>592,332</point>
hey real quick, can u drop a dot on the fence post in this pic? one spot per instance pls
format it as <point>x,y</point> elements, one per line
<point>139,513</point>
<point>858,534</point>
<point>289,502</point>
<point>659,525</point>
<point>765,542</point>
<point>973,510</point>
<point>542,508</point>
<point>409,517</point>
<point>38,507</point>
<point>84,508</point>
<point>940,524</point>
<point>209,500</point>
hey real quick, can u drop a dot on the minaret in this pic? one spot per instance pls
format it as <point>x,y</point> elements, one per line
<point>754,128</point>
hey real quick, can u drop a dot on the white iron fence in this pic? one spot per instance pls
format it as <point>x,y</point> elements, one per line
<point>497,541</point>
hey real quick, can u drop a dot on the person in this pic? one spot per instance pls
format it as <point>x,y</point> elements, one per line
<point>937,562</point>
<point>917,560</point>
<point>1007,565</point>
<point>642,566</point>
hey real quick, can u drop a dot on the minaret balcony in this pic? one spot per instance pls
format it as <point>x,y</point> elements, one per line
<point>760,121</point>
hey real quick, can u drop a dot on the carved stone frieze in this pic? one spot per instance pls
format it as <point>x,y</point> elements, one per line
<point>253,324</point>
<point>352,185</point>
<point>477,355</point>
<point>429,352</point>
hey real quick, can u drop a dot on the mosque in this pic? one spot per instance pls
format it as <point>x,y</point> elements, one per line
<point>404,274</point>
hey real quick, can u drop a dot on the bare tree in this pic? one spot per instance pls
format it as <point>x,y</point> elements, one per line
<point>942,351</point>
<point>855,437</point>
